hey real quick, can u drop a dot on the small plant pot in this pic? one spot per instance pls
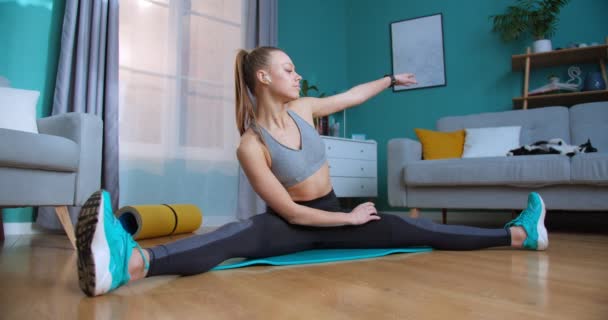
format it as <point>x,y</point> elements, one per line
<point>543,45</point>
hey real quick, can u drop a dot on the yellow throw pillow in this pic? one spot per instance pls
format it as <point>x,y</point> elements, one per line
<point>441,145</point>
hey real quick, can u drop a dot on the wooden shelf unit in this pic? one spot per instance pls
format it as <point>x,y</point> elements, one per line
<point>526,62</point>
<point>560,57</point>
<point>561,99</point>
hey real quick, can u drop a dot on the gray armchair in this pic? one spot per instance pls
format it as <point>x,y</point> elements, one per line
<point>60,166</point>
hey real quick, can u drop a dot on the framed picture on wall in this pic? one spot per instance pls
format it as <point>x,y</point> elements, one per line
<point>417,47</point>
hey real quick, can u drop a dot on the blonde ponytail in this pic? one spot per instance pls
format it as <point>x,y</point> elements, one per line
<point>244,105</point>
<point>245,67</point>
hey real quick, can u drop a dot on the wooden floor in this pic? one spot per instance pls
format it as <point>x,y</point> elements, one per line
<point>569,281</point>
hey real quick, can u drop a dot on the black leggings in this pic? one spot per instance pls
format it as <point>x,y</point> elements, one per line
<point>268,234</point>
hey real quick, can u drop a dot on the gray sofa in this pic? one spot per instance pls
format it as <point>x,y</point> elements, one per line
<point>577,183</point>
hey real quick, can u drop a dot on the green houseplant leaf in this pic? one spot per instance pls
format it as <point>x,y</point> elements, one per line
<point>538,17</point>
<point>305,89</point>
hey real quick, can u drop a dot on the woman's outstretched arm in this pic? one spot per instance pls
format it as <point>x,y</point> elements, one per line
<point>354,96</point>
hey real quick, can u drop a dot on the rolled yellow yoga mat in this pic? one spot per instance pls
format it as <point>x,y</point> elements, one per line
<point>150,221</point>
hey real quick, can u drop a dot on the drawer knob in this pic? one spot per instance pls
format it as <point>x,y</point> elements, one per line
<point>361,169</point>
<point>362,186</point>
<point>361,150</point>
<point>328,148</point>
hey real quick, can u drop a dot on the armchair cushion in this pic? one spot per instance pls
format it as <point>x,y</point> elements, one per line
<point>37,151</point>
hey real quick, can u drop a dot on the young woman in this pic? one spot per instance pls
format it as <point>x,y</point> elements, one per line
<point>284,159</point>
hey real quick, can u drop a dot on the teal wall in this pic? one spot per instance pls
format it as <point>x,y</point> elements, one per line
<point>313,34</point>
<point>478,63</point>
<point>29,49</point>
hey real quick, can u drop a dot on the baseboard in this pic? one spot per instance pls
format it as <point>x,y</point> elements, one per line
<point>21,228</point>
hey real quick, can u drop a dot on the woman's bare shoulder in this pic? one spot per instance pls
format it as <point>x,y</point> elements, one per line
<point>249,140</point>
<point>302,107</point>
<point>250,145</point>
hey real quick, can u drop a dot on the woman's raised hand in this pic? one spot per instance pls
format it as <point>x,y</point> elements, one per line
<point>405,79</point>
<point>363,213</point>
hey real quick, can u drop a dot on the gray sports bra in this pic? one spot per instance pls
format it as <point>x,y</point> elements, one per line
<point>293,166</point>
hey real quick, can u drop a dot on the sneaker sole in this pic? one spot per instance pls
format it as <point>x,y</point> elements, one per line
<point>93,250</point>
<point>543,240</point>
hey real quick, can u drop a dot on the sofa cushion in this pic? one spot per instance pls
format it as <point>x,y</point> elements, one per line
<point>37,151</point>
<point>490,142</point>
<point>536,124</point>
<point>590,168</point>
<point>18,109</point>
<point>590,121</point>
<point>440,145</point>
<point>511,171</point>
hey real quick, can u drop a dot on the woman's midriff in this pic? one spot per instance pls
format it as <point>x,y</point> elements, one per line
<point>315,186</point>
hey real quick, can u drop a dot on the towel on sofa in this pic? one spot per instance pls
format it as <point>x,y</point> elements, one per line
<point>553,146</point>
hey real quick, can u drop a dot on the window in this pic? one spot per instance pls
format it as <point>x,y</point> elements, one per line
<point>177,127</point>
<point>176,77</point>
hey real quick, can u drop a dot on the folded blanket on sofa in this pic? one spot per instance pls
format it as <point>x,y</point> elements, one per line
<point>553,146</point>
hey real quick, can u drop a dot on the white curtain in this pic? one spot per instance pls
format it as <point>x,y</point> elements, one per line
<point>177,125</point>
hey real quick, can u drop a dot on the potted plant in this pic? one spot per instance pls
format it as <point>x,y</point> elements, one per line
<point>305,88</point>
<point>538,17</point>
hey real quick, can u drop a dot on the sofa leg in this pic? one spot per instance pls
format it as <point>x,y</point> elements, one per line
<point>414,213</point>
<point>444,215</point>
<point>64,217</point>
<point>514,214</point>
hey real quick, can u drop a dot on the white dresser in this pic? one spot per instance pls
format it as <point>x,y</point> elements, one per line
<point>353,166</point>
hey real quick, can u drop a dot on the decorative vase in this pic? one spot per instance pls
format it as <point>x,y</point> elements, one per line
<point>543,45</point>
<point>594,81</point>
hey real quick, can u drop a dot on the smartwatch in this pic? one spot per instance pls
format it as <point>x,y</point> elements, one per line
<point>393,80</point>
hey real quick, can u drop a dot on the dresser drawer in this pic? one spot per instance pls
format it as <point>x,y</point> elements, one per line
<point>355,187</point>
<point>350,149</point>
<point>352,168</point>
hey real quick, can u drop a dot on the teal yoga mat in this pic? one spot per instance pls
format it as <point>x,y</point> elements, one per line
<point>318,256</point>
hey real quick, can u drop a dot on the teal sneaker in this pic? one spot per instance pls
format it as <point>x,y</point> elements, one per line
<point>104,247</point>
<point>532,219</point>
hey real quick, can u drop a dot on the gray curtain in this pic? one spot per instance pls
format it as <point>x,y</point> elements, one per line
<point>87,81</point>
<point>262,25</point>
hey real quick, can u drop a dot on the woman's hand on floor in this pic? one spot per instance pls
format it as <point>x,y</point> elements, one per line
<point>363,213</point>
